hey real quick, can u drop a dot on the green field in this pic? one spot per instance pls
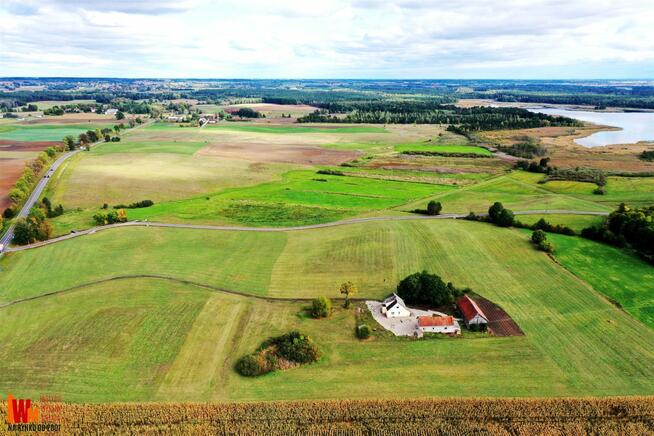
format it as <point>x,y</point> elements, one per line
<point>96,341</point>
<point>301,197</point>
<point>515,193</point>
<point>45,132</point>
<point>443,148</point>
<point>621,276</point>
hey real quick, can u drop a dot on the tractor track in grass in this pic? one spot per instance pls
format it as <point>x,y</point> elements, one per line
<point>282,229</point>
<point>205,286</point>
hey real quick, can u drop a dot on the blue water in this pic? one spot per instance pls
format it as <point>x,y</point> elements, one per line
<point>636,126</point>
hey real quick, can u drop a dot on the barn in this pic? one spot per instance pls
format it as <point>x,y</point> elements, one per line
<point>438,324</point>
<point>472,313</point>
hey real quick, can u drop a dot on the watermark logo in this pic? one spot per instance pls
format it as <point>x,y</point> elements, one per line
<point>24,415</point>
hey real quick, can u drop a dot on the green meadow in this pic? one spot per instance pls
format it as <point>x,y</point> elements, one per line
<point>45,132</point>
<point>187,337</point>
<point>422,147</point>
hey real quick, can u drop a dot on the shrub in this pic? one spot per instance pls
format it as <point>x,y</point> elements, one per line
<point>538,236</point>
<point>600,190</point>
<point>250,365</point>
<point>434,208</point>
<point>297,347</point>
<point>321,307</point>
<point>647,155</point>
<point>331,172</point>
<point>363,331</point>
<point>425,288</point>
<point>505,218</point>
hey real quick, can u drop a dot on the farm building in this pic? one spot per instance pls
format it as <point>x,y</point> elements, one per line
<point>472,313</point>
<point>111,112</point>
<point>394,307</point>
<point>438,324</point>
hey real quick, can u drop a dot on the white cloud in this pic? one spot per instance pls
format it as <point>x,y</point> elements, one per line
<point>330,38</point>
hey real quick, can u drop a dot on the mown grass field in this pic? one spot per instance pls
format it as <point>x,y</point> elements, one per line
<point>576,342</point>
<point>91,179</point>
<point>45,132</point>
<point>517,190</point>
<point>621,276</point>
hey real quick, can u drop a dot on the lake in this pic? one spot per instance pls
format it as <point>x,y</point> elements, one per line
<point>636,126</point>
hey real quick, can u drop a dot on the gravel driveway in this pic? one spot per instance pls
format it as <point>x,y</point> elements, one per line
<point>406,326</point>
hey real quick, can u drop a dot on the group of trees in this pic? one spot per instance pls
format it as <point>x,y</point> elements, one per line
<point>33,228</point>
<point>647,155</point>
<point>279,352</point>
<point>104,218</point>
<point>424,288</point>
<point>627,227</point>
<point>528,148</point>
<point>23,186</point>
<point>542,166</point>
<point>499,215</point>
<point>135,205</point>
<point>246,112</point>
<point>433,208</point>
<point>51,212</point>
<point>461,120</point>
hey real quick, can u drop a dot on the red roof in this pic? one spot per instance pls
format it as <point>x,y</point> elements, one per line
<point>469,308</point>
<point>434,321</point>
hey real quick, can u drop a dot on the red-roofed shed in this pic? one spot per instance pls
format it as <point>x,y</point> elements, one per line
<point>472,313</point>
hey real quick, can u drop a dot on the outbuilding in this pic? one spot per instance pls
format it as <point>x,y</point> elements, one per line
<point>472,313</point>
<point>439,324</point>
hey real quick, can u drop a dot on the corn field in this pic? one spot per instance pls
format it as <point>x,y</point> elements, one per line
<point>605,416</point>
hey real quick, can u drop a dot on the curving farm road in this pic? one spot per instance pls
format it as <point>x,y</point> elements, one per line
<point>284,229</point>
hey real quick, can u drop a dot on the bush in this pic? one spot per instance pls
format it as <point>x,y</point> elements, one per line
<point>600,190</point>
<point>321,307</point>
<point>505,219</point>
<point>331,172</point>
<point>250,365</point>
<point>363,331</point>
<point>647,155</point>
<point>538,236</point>
<point>541,224</point>
<point>425,288</point>
<point>434,208</point>
<point>296,347</point>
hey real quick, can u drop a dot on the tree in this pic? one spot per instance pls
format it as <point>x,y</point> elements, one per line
<point>434,208</point>
<point>425,288</point>
<point>505,219</point>
<point>120,115</point>
<point>348,288</point>
<point>321,307</point>
<point>538,236</point>
<point>363,331</point>
<point>69,142</point>
<point>33,228</point>
<point>494,211</point>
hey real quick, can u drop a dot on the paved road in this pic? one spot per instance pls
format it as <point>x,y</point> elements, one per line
<point>34,197</point>
<point>40,187</point>
<point>285,229</point>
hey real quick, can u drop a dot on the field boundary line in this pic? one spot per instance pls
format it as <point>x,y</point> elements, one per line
<point>212,288</point>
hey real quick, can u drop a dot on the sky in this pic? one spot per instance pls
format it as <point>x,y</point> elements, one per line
<point>394,39</point>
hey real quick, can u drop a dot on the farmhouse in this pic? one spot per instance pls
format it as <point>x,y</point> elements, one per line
<point>438,324</point>
<point>394,307</point>
<point>472,314</point>
<point>111,112</point>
